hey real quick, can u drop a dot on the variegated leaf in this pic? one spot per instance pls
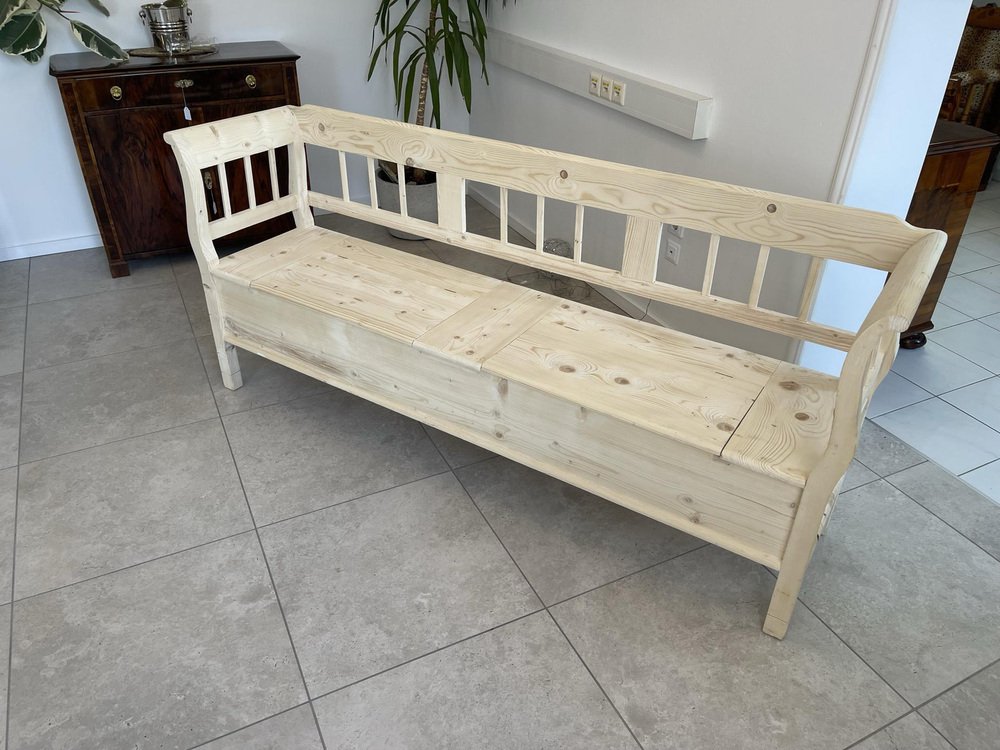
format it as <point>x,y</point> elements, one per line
<point>38,53</point>
<point>23,32</point>
<point>96,41</point>
<point>101,7</point>
<point>8,8</point>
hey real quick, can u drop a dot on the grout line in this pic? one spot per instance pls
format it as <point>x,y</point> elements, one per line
<point>547,611</point>
<point>896,721</point>
<point>948,689</point>
<point>977,468</point>
<point>263,553</point>
<point>112,290</point>
<point>247,726</point>
<point>13,544</point>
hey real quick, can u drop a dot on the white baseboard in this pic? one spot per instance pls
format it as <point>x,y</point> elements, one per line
<point>623,301</point>
<point>50,247</point>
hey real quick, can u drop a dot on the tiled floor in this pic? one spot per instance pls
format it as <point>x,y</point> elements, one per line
<point>944,399</point>
<point>287,566</point>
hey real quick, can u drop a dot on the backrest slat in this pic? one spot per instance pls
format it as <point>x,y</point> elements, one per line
<point>372,185</point>
<point>578,235</point>
<point>539,223</point>
<point>248,176</point>
<point>451,202</point>
<point>758,276</point>
<point>642,249</point>
<point>345,187</point>
<point>713,258</point>
<point>504,216</point>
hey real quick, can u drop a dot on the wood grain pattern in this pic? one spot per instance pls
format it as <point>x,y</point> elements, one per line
<point>485,326</point>
<point>642,249</point>
<point>786,431</point>
<point>680,386</point>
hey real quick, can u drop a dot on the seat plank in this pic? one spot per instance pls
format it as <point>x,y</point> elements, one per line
<point>272,254</point>
<point>485,326</point>
<point>397,294</point>
<point>674,384</point>
<point>787,430</point>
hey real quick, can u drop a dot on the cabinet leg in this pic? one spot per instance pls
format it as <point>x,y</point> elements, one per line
<point>119,269</point>
<point>912,340</point>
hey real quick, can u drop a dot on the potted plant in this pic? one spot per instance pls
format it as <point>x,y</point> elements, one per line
<point>23,31</point>
<point>426,42</point>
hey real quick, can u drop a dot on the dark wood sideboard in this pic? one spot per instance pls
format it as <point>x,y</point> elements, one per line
<point>118,113</point>
<point>946,189</point>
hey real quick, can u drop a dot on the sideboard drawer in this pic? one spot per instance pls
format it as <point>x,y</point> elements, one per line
<point>247,81</point>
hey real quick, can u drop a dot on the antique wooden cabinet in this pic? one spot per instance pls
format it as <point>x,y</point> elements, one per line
<point>118,114</point>
<point>946,189</point>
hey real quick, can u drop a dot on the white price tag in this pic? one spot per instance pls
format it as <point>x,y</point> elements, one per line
<point>187,113</point>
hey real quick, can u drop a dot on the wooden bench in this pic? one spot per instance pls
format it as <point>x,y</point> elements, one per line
<point>739,449</point>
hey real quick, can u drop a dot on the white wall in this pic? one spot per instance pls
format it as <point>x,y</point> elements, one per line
<point>922,41</point>
<point>43,201</point>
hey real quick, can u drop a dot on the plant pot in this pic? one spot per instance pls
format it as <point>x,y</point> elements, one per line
<point>421,202</point>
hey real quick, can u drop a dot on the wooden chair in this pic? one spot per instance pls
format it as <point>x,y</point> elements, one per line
<point>970,96</point>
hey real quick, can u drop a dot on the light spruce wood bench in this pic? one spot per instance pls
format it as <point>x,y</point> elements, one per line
<point>742,450</point>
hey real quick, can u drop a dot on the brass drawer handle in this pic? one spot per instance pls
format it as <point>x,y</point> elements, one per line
<point>184,83</point>
<point>251,81</point>
<point>116,93</point>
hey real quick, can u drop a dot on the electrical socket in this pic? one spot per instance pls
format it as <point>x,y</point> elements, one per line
<point>595,83</point>
<point>618,93</point>
<point>673,250</point>
<point>606,84</point>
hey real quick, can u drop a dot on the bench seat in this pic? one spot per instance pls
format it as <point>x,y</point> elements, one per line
<point>748,409</point>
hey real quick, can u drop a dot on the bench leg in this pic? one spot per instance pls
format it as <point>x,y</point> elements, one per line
<point>229,364</point>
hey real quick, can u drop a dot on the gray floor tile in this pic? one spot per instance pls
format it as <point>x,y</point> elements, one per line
<point>457,452</point>
<point>370,584</point>
<point>292,730</point>
<point>86,272</point>
<point>14,283</point>
<point>374,233</point>
<point>264,382</point>
<point>944,434</point>
<point>967,260</point>
<point>993,321</point>
<point>953,501</point>
<point>987,277</point>
<point>969,714</point>
<point>10,418</point>
<point>910,595</point>
<point>520,686</point>
<point>945,317</point>
<point>83,327</point>
<point>937,369</point>
<point>167,655</point>
<point>969,298</point>
<point>8,499</point>
<point>4,629</point>
<point>981,400</point>
<point>893,393</point>
<point>984,243</point>
<point>976,342</point>
<point>102,509</point>
<point>679,650</point>
<point>193,293</point>
<point>909,733</point>
<point>565,540</point>
<point>857,475</point>
<point>883,452</point>
<point>986,479</point>
<point>82,404</point>
<point>314,452</point>
<point>12,339</point>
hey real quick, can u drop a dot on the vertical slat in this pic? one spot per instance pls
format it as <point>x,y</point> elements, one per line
<point>345,188</point>
<point>504,217</point>
<point>713,257</point>
<point>811,288</point>
<point>227,207</point>
<point>371,181</point>
<point>401,184</point>
<point>451,201</point>
<point>758,275</point>
<point>539,222</point>
<point>578,235</point>
<point>642,249</point>
<point>272,168</point>
<point>248,176</point>
<point>298,182</point>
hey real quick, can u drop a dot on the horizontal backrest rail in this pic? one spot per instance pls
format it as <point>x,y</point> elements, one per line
<point>762,218</point>
<point>249,217</point>
<point>739,312</point>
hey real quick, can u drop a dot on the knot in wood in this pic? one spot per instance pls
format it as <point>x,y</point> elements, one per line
<point>802,416</point>
<point>567,368</point>
<point>621,381</point>
<point>790,385</point>
<point>725,427</point>
<point>687,499</point>
<point>564,174</point>
<point>771,208</point>
<point>409,162</point>
<point>322,128</point>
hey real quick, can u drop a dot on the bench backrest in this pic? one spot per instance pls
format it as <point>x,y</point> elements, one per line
<point>646,199</point>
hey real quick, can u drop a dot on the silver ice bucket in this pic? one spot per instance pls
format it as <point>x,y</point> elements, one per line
<point>168,24</point>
